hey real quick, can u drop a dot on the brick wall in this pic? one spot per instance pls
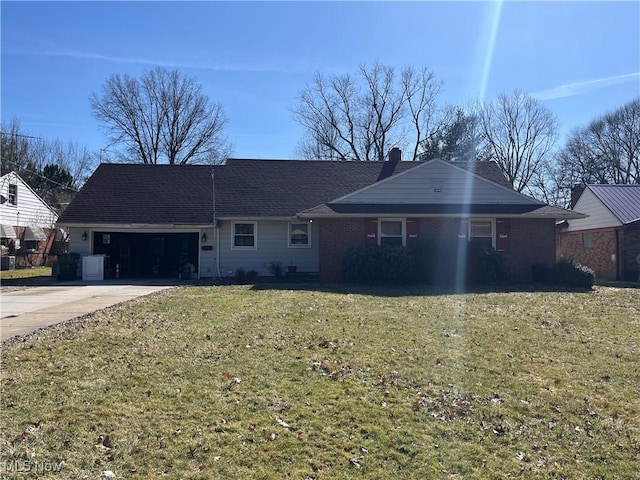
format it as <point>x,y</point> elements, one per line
<point>532,241</point>
<point>631,270</point>
<point>598,257</point>
<point>336,236</point>
<point>38,257</point>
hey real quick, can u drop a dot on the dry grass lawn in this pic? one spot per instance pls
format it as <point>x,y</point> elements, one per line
<point>271,383</point>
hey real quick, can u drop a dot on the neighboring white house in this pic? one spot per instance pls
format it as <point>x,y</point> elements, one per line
<point>27,223</point>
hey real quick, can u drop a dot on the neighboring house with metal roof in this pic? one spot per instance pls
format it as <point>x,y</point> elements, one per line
<point>608,240</point>
<point>27,223</point>
<point>249,214</point>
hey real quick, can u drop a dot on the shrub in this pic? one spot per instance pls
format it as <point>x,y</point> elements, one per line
<point>243,276</point>
<point>571,274</point>
<point>384,264</point>
<point>541,273</point>
<point>240,275</point>
<point>275,268</point>
<point>486,265</point>
<point>251,276</point>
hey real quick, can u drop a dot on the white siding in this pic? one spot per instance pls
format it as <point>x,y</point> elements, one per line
<point>77,245</point>
<point>30,210</point>
<point>436,183</point>
<point>273,246</point>
<point>599,215</point>
<point>208,257</point>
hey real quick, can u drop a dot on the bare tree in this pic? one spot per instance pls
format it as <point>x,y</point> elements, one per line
<point>421,90</point>
<point>14,146</point>
<point>606,151</point>
<point>54,169</point>
<point>362,117</point>
<point>163,116</point>
<point>520,134</point>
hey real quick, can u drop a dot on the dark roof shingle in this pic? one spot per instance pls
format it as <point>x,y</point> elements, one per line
<point>182,194</point>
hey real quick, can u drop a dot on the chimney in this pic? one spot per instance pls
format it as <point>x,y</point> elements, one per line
<point>576,191</point>
<point>395,155</point>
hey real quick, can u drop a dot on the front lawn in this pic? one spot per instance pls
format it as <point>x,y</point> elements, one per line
<point>26,276</point>
<point>241,382</point>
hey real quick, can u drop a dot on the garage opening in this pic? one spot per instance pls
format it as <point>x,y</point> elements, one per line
<point>145,255</point>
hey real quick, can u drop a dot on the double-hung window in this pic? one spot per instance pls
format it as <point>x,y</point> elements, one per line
<point>392,232</point>
<point>13,194</point>
<point>299,235</point>
<point>244,236</point>
<point>481,232</point>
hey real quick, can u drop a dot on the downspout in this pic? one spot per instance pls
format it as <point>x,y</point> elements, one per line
<point>216,230</point>
<point>217,234</point>
<point>617,254</point>
<point>200,254</point>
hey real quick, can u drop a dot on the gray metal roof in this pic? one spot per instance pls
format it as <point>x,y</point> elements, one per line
<point>622,200</point>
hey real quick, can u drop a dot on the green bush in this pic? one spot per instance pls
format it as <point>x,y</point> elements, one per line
<point>571,274</point>
<point>486,265</point>
<point>540,273</point>
<point>378,265</point>
<point>275,268</point>
<point>243,276</point>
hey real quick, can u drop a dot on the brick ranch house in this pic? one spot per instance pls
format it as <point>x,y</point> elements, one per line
<point>303,215</point>
<point>608,240</point>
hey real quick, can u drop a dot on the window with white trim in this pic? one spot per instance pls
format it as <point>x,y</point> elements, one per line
<point>391,232</point>
<point>31,245</point>
<point>243,236</point>
<point>13,194</point>
<point>299,235</point>
<point>482,233</point>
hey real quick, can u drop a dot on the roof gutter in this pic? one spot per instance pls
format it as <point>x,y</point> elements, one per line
<point>129,226</point>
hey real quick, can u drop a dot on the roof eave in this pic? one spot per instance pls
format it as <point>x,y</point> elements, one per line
<point>129,226</point>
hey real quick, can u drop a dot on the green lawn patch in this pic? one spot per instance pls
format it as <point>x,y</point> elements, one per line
<point>238,382</point>
<point>26,276</point>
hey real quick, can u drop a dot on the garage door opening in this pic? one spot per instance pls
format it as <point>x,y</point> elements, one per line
<point>146,255</point>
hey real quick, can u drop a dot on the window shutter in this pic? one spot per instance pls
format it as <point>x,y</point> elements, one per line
<point>503,236</point>
<point>463,230</point>
<point>371,231</point>
<point>413,231</point>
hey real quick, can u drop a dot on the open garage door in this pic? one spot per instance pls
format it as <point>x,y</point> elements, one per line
<point>146,255</point>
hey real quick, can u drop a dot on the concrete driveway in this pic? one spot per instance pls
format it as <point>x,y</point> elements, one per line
<point>26,310</point>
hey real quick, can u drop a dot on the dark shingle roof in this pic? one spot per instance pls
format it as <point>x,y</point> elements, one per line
<point>134,194</point>
<point>182,194</point>
<point>622,200</point>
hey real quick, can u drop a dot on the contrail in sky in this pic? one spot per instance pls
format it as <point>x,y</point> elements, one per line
<point>202,65</point>
<point>578,88</point>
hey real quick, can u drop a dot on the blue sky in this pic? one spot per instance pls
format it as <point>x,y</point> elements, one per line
<point>581,59</point>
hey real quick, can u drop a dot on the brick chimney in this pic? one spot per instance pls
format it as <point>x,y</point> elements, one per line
<point>576,191</point>
<point>388,167</point>
<point>395,155</point>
